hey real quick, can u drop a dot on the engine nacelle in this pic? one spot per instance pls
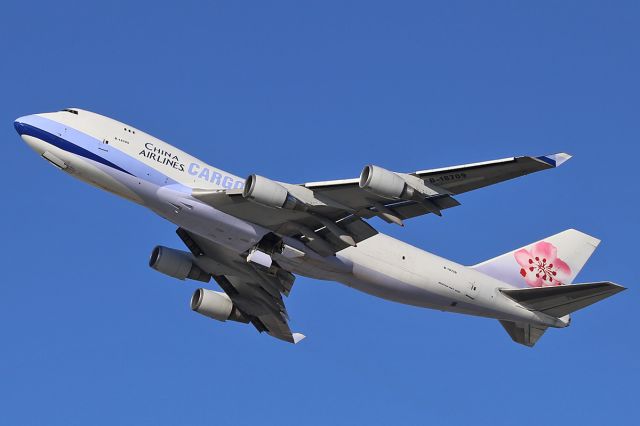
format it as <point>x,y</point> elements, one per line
<point>266,192</point>
<point>384,183</point>
<point>177,264</point>
<point>216,305</point>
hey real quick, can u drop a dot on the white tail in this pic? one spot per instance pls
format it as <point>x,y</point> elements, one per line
<point>555,260</point>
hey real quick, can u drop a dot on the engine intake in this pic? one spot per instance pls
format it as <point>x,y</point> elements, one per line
<point>269,193</point>
<point>216,305</point>
<point>177,264</point>
<point>384,183</point>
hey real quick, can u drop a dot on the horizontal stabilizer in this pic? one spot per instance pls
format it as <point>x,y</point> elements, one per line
<point>297,337</point>
<point>561,300</point>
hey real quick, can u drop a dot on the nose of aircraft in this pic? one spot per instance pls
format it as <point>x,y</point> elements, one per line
<point>20,125</point>
<point>27,127</point>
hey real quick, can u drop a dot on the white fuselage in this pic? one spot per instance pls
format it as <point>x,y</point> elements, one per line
<point>135,165</point>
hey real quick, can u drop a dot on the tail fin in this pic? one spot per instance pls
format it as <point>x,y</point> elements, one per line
<point>523,333</point>
<point>556,260</point>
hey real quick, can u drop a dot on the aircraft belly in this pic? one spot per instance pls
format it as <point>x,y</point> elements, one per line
<point>393,270</point>
<point>81,168</point>
<point>392,284</point>
<point>204,220</point>
<point>174,203</point>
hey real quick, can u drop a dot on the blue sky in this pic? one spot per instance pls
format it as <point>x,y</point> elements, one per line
<point>303,91</point>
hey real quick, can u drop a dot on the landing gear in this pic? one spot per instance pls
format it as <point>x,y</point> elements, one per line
<point>261,253</point>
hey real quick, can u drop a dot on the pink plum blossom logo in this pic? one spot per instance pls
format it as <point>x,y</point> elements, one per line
<point>541,266</point>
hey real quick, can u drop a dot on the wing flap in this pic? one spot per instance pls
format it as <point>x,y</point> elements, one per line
<point>354,226</point>
<point>411,209</point>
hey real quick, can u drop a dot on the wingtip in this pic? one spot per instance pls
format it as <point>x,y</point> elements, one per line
<point>561,157</point>
<point>555,160</point>
<point>297,337</point>
<point>619,287</point>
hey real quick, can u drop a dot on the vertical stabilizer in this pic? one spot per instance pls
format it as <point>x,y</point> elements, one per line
<point>553,261</point>
<point>524,333</point>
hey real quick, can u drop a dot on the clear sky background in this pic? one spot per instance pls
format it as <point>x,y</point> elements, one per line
<point>304,91</point>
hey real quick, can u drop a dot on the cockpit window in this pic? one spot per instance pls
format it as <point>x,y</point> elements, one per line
<point>72,111</point>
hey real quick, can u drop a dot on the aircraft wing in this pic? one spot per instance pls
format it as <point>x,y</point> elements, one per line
<point>446,181</point>
<point>330,216</point>
<point>255,292</point>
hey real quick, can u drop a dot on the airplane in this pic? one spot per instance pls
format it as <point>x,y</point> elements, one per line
<point>252,235</point>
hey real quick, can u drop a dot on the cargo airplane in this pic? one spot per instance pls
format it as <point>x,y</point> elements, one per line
<point>252,235</point>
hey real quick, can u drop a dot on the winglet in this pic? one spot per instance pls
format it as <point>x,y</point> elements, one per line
<point>297,337</point>
<point>555,160</point>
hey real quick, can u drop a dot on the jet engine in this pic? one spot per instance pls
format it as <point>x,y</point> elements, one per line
<point>382,182</point>
<point>392,185</point>
<point>177,264</point>
<point>266,192</point>
<point>216,305</point>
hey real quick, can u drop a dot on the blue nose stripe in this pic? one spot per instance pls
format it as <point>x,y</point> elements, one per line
<point>20,127</point>
<point>27,129</point>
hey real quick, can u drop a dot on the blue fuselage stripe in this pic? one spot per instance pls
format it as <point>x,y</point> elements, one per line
<point>27,129</point>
